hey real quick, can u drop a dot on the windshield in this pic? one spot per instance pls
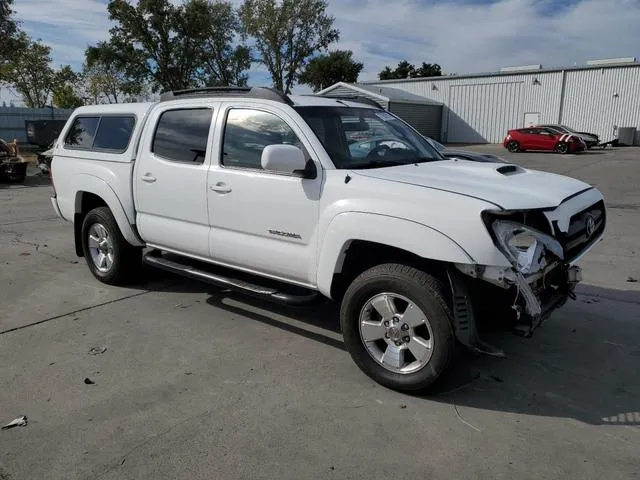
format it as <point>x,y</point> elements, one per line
<point>366,137</point>
<point>568,129</point>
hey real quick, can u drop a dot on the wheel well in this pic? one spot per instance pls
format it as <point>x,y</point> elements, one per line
<point>84,204</point>
<point>361,255</point>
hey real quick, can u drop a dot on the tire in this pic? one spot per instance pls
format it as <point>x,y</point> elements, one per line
<point>122,262</point>
<point>513,146</point>
<point>562,148</point>
<point>401,283</point>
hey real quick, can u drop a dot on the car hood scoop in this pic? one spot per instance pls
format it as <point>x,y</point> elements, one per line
<point>509,186</point>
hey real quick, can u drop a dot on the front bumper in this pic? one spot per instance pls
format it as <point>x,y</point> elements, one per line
<point>544,295</point>
<point>505,297</point>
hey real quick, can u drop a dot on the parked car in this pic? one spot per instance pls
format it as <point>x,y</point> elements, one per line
<point>542,139</point>
<point>465,154</point>
<point>590,139</point>
<point>258,192</point>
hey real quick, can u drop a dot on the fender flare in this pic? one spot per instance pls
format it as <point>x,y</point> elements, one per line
<point>95,185</point>
<point>407,235</point>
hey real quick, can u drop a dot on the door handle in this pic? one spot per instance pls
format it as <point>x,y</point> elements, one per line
<point>147,177</point>
<point>220,187</point>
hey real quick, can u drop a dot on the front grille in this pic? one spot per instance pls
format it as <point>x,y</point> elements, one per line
<point>584,228</point>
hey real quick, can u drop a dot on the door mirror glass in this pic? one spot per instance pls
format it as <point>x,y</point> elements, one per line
<point>283,158</point>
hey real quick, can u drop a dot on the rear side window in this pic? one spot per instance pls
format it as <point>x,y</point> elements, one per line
<point>101,133</point>
<point>114,133</point>
<point>82,132</point>
<point>182,135</point>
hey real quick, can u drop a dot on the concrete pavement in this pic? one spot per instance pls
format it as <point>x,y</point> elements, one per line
<point>199,385</point>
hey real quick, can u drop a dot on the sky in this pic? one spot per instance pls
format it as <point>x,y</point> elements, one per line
<point>463,36</point>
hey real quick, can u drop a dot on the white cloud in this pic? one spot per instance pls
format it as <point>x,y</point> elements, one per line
<point>462,37</point>
<point>467,37</point>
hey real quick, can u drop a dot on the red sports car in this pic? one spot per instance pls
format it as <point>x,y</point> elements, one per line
<point>542,138</point>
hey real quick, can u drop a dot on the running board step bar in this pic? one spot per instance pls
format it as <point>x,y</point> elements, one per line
<point>266,293</point>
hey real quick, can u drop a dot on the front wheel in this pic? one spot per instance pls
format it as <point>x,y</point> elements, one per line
<point>108,255</point>
<point>397,326</point>
<point>562,148</point>
<point>513,146</point>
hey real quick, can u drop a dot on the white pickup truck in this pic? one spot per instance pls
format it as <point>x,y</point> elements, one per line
<point>295,198</point>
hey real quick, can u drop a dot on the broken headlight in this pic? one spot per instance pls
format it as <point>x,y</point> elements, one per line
<point>525,247</point>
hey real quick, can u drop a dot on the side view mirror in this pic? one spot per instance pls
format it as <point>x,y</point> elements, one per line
<point>283,158</point>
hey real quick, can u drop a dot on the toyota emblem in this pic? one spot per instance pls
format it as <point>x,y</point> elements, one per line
<point>591,225</point>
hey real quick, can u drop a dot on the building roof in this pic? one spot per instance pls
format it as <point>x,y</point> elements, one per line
<point>533,71</point>
<point>385,94</point>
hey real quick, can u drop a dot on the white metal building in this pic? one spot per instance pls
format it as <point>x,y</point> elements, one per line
<point>600,97</point>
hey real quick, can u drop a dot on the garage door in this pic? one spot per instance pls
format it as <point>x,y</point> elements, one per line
<point>483,112</point>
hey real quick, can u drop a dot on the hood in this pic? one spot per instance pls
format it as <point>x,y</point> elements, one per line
<point>508,186</point>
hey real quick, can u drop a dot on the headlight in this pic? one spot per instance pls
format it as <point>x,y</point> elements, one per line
<point>525,247</point>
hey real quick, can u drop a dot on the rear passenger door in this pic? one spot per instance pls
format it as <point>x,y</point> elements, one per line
<point>170,178</point>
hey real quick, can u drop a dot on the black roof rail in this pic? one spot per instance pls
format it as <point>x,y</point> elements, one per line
<point>265,93</point>
<point>355,98</point>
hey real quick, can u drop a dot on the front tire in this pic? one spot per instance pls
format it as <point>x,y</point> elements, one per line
<point>108,255</point>
<point>397,327</point>
<point>562,148</point>
<point>513,146</point>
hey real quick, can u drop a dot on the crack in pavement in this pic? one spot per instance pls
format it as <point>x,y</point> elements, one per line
<point>19,222</point>
<point>18,239</point>
<point>83,309</point>
<point>149,440</point>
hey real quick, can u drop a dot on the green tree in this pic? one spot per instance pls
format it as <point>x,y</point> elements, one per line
<point>65,96</point>
<point>9,37</point>
<point>326,70</point>
<point>286,34</point>
<point>8,25</point>
<point>175,46</point>
<point>65,88</point>
<point>408,70</point>
<point>223,62</point>
<point>30,72</point>
<point>428,70</point>
<point>105,78</point>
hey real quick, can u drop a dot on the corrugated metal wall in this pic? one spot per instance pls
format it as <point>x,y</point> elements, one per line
<point>590,103</point>
<point>427,119</point>
<point>483,109</point>
<point>339,91</point>
<point>12,120</point>
<point>483,112</point>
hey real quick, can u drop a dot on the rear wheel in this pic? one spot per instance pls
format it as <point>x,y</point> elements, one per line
<point>513,146</point>
<point>397,326</point>
<point>108,255</point>
<point>562,148</point>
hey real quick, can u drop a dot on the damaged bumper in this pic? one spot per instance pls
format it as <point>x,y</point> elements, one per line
<point>533,297</point>
<point>542,248</point>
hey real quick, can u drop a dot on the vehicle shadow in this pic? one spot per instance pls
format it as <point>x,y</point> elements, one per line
<point>584,363</point>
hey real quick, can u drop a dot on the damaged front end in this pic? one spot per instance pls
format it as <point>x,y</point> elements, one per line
<point>541,247</point>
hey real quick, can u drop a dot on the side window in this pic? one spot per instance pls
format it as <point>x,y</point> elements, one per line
<point>181,135</point>
<point>248,132</point>
<point>82,132</point>
<point>114,133</point>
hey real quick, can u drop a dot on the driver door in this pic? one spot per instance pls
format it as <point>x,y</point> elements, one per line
<point>263,222</point>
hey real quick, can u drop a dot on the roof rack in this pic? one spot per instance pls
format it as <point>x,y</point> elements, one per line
<point>355,98</point>
<point>265,93</point>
